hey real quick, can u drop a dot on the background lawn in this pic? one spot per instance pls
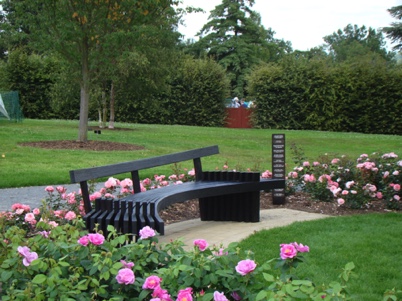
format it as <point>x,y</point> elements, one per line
<point>239,148</point>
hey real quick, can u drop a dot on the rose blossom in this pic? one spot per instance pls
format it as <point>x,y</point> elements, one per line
<point>161,294</point>
<point>125,276</point>
<point>36,211</point>
<point>28,255</point>
<point>340,201</point>
<point>397,197</point>
<point>95,195</point>
<point>30,218</point>
<point>288,251</point>
<point>201,244</point>
<point>61,189</point>
<point>111,182</point>
<point>83,241</point>
<point>49,189</point>
<point>397,187</point>
<point>219,296</point>
<point>151,282</point>
<point>147,232</point>
<point>191,172</point>
<point>185,295</point>
<point>301,248</point>
<point>53,224</point>
<point>379,195</point>
<point>96,238</point>
<point>245,267</point>
<point>127,265</point>
<point>70,215</point>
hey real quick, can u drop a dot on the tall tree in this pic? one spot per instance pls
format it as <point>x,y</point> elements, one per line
<point>89,33</point>
<point>354,41</point>
<point>235,38</point>
<point>394,32</point>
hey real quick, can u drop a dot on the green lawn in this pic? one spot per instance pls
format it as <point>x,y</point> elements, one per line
<point>240,148</point>
<point>373,242</point>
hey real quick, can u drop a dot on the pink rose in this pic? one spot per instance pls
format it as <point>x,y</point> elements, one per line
<point>147,232</point>
<point>49,189</point>
<point>397,187</point>
<point>83,241</point>
<point>288,251</point>
<point>245,267</point>
<point>379,195</point>
<point>125,276</point>
<point>111,182</point>
<point>126,183</point>
<point>219,296</point>
<point>28,255</point>
<point>335,161</point>
<point>53,224</point>
<point>306,163</point>
<point>151,282</point>
<point>397,197</point>
<point>201,244</point>
<point>61,189</point>
<point>191,172</point>
<point>340,201</point>
<point>95,195</point>
<point>127,265</point>
<point>301,248</point>
<point>29,217</point>
<point>161,294</point>
<point>70,215</point>
<point>185,295</point>
<point>96,238</point>
<point>36,211</point>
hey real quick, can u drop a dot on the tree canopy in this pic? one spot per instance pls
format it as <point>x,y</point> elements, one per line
<point>235,37</point>
<point>394,32</point>
<point>355,41</point>
<point>91,34</point>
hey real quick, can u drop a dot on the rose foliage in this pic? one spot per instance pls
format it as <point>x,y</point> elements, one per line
<point>67,263</point>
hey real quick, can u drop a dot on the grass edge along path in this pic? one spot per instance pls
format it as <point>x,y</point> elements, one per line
<point>372,241</point>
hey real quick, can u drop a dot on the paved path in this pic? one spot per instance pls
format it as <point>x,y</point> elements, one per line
<point>216,233</point>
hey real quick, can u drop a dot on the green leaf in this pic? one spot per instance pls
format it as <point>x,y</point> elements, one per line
<point>261,295</point>
<point>349,266</point>
<point>40,278</point>
<point>268,277</point>
<point>6,275</point>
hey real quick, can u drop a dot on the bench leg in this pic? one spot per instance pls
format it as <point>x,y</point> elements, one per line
<point>239,207</point>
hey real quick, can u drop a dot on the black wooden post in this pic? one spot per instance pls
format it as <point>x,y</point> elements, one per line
<point>278,166</point>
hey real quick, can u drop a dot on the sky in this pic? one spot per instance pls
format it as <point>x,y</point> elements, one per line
<point>304,22</point>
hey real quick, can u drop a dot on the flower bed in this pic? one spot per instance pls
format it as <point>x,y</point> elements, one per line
<point>47,255</point>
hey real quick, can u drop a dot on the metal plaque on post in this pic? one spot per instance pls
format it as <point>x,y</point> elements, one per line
<point>278,166</point>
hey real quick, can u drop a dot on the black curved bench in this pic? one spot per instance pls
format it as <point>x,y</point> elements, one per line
<point>223,195</point>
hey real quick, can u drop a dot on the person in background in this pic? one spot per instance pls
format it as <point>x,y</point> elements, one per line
<point>235,103</point>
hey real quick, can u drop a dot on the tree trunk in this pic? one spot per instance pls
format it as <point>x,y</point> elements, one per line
<point>111,121</point>
<point>84,102</point>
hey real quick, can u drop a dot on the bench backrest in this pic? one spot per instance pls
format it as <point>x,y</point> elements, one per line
<point>83,175</point>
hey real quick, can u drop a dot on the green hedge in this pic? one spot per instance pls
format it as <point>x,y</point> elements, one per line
<point>360,96</point>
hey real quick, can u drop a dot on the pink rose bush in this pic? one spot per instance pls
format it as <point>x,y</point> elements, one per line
<point>65,259</point>
<point>352,183</point>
